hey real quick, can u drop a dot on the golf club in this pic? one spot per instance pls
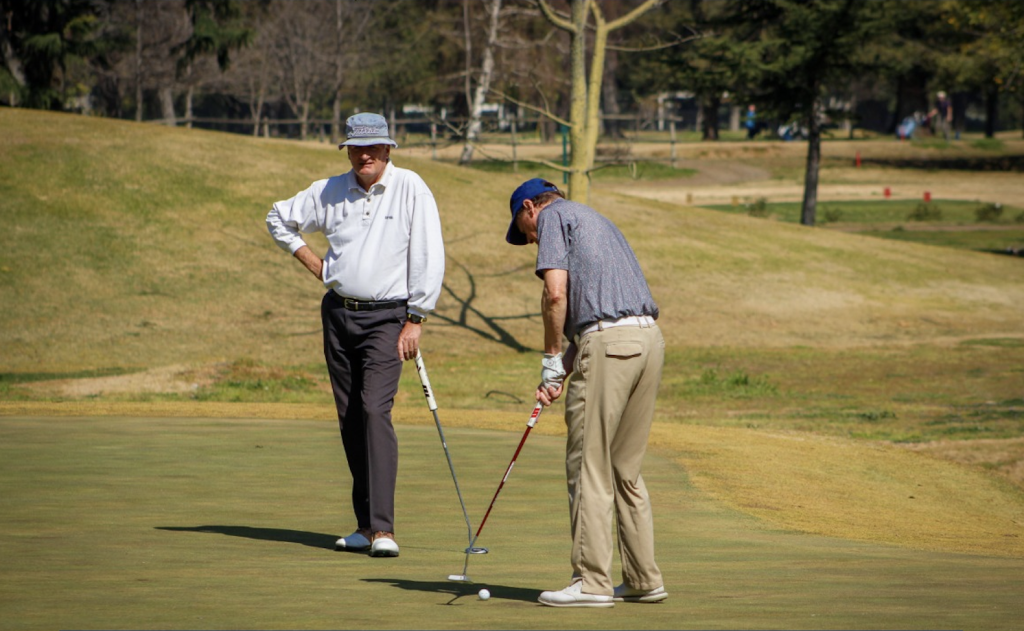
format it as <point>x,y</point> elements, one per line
<point>472,549</point>
<point>428,392</point>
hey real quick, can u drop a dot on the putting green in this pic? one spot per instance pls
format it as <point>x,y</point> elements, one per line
<point>214,523</point>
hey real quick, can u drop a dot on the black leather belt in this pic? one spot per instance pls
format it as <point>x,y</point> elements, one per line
<point>371,305</point>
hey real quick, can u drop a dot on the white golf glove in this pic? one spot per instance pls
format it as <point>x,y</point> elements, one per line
<point>552,373</point>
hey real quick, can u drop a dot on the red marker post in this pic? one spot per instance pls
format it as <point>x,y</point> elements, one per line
<point>887,192</point>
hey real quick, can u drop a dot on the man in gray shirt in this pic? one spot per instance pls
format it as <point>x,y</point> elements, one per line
<point>596,295</point>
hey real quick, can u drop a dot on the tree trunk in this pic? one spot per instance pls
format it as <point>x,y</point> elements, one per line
<point>339,33</point>
<point>809,209</point>
<point>257,112</point>
<point>304,120</point>
<point>610,94</point>
<point>12,62</point>
<point>166,94</point>
<point>138,60</point>
<point>710,128</point>
<point>484,85</point>
<point>188,97</point>
<point>991,110</point>
<point>578,103</point>
<point>897,114</point>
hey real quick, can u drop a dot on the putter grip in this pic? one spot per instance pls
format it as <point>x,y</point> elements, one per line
<point>428,392</point>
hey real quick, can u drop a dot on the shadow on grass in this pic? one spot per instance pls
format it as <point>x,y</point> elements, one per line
<point>283,535</point>
<point>494,332</point>
<point>459,590</point>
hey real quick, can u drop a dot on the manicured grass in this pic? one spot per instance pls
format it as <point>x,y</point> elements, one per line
<point>206,524</point>
<point>880,211</point>
<point>641,170</point>
<point>1005,241</point>
<point>948,223</point>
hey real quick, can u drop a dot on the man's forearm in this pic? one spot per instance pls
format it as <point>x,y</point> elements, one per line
<point>553,309</point>
<point>312,262</point>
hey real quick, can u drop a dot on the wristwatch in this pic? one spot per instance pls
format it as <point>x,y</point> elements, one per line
<point>416,319</point>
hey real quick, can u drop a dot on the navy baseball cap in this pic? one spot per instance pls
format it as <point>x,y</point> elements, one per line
<point>367,129</point>
<point>527,190</point>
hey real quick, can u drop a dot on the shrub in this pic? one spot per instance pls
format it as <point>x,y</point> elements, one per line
<point>925,212</point>
<point>759,208</point>
<point>988,212</point>
<point>832,215</point>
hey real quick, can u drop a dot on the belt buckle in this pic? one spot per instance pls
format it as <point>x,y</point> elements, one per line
<point>351,305</point>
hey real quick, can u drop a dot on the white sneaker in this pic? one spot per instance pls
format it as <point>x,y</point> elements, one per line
<point>625,593</point>
<point>357,542</point>
<point>573,596</point>
<point>384,545</point>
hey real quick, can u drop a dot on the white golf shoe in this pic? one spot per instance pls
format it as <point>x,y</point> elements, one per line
<point>383,545</point>
<point>356,542</point>
<point>625,593</point>
<point>573,596</point>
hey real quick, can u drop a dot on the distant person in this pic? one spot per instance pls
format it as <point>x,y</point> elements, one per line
<point>908,126</point>
<point>596,295</point>
<point>382,271</point>
<point>942,115</point>
<point>750,122</point>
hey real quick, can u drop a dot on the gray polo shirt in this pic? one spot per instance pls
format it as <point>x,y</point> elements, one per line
<point>605,279</point>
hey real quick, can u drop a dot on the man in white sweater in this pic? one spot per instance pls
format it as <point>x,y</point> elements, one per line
<point>383,273</point>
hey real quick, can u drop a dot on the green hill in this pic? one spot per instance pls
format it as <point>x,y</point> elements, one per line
<point>131,247</point>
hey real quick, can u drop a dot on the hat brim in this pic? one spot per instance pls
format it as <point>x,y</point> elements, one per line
<point>368,142</point>
<point>514,235</point>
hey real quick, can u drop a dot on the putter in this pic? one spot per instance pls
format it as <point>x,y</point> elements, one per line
<point>473,549</point>
<point>428,392</point>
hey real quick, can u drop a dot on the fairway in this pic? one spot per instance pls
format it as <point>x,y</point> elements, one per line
<point>157,523</point>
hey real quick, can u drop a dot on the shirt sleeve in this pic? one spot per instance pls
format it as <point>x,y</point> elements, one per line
<point>426,255</point>
<point>289,219</point>
<point>553,236</point>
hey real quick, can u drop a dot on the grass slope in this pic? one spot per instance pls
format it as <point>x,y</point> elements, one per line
<point>136,247</point>
<point>140,246</point>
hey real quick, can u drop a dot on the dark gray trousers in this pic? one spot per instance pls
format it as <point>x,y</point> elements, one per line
<point>361,348</point>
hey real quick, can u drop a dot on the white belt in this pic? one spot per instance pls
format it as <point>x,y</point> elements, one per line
<point>642,321</point>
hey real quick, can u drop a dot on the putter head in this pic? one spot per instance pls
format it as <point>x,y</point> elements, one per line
<point>474,550</point>
<point>459,578</point>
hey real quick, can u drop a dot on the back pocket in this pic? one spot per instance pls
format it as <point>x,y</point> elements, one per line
<point>623,350</point>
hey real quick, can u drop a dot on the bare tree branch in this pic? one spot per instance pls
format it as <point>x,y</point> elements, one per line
<point>556,19</point>
<point>543,112</point>
<point>660,46</point>
<point>632,16</point>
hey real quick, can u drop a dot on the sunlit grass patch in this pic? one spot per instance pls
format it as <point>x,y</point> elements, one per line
<point>249,381</point>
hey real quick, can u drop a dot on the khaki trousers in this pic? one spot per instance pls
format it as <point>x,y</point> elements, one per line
<point>609,406</point>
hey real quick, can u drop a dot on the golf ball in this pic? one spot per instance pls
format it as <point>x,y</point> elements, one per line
<point>484,594</point>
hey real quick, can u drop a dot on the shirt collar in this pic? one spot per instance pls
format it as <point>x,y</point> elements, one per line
<point>385,179</point>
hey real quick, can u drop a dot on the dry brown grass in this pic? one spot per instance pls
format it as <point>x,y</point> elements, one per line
<point>852,490</point>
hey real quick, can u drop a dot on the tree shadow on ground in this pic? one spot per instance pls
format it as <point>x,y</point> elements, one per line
<point>460,590</point>
<point>494,331</point>
<point>1011,163</point>
<point>283,535</point>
